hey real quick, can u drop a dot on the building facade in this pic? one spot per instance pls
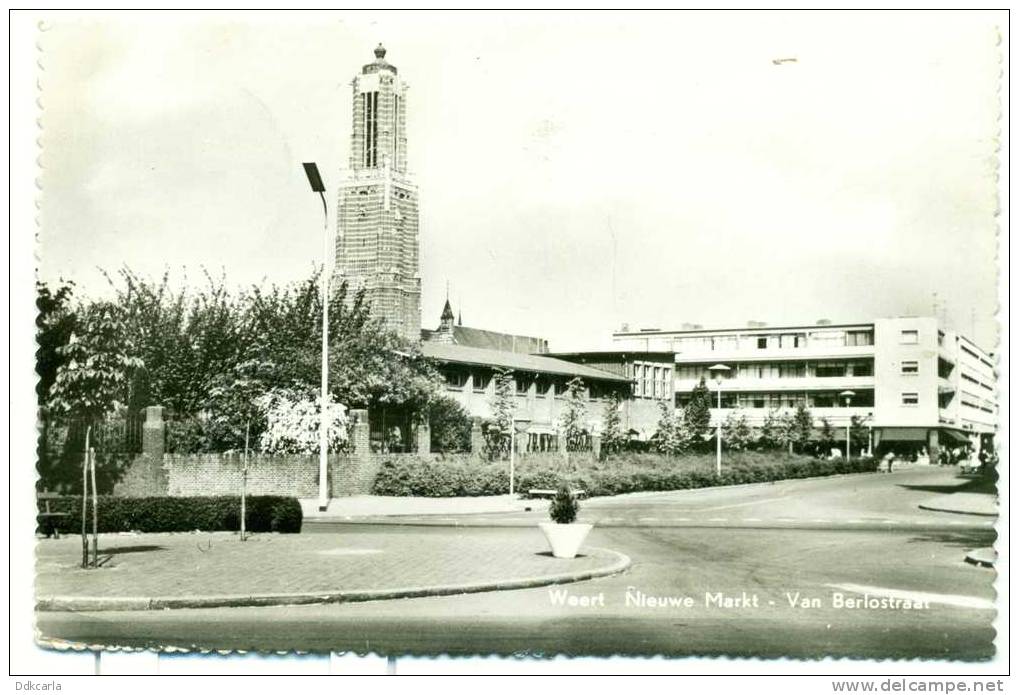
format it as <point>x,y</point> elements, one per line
<point>377,218</point>
<point>540,384</point>
<point>913,383</point>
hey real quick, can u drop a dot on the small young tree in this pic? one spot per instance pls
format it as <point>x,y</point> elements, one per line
<point>859,436</point>
<point>787,431</point>
<point>736,432</point>
<point>826,438</point>
<point>697,414</point>
<point>498,431</point>
<point>612,437</point>
<point>801,427</point>
<point>665,440</point>
<point>574,411</point>
<point>771,436</point>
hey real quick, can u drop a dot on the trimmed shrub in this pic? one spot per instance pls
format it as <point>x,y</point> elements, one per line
<point>638,472</point>
<point>164,514</point>
<point>564,507</point>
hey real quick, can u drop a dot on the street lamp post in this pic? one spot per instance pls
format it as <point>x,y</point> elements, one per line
<point>847,396</point>
<point>311,170</point>
<point>719,371</point>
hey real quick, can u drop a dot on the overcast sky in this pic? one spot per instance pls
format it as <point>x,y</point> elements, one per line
<point>576,171</point>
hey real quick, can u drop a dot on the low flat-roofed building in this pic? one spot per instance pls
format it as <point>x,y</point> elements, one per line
<point>540,384</point>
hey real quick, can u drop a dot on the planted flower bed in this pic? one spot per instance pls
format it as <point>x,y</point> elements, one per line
<point>411,476</point>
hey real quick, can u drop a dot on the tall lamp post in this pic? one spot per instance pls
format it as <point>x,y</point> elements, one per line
<point>718,371</point>
<point>847,397</point>
<point>311,170</point>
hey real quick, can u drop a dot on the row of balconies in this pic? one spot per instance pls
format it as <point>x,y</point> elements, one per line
<point>808,383</point>
<point>750,353</point>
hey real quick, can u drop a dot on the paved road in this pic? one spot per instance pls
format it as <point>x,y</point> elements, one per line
<point>770,545</point>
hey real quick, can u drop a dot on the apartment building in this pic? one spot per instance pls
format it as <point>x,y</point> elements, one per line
<point>914,383</point>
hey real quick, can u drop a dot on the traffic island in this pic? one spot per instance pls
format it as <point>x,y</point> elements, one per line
<point>207,570</point>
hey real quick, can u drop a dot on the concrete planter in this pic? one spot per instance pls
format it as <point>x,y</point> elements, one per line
<point>565,539</point>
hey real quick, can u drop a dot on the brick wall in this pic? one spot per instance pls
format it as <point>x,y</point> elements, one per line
<point>144,477</point>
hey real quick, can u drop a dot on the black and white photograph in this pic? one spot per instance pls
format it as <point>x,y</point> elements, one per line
<point>532,341</point>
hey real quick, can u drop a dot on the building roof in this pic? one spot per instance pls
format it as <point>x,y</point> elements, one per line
<point>494,340</point>
<point>462,354</point>
<point>618,354</point>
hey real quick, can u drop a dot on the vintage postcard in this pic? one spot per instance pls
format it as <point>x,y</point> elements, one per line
<point>663,334</point>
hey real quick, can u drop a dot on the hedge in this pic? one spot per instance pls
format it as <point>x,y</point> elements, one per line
<point>162,514</point>
<point>410,476</point>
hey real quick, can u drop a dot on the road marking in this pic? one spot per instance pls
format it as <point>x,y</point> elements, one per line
<point>956,523</point>
<point>956,600</point>
<point>854,521</point>
<point>821,521</point>
<point>742,504</point>
<point>889,521</point>
<point>752,520</point>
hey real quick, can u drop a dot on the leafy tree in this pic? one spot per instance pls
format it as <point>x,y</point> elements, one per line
<point>736,432</point>
<point>572,418</point>
<point>55,322</point>
<point>859,435</point>
<point>497,433</point>
<point>802,427</point>
<point>697,414</point>
<point>771,434</point>
<point>613,440</point>
<point>293,421</point>
<point>826,439</point>
<point>787,431</point>
<point>450,425</point>
<point>98,360</point>
<point>668,437</point>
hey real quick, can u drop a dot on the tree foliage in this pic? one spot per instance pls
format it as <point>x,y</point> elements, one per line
<point>450,426</point>
<point>697,414</point>
<point>736,431</point>
<point>498,432</point>
<point>671,436</point>
<point>613,439</point>
<point>571,424</point>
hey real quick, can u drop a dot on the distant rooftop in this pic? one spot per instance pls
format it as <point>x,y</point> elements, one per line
<point>461,354</point>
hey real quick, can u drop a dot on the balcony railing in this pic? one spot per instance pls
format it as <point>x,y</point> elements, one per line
<point>803,383</point>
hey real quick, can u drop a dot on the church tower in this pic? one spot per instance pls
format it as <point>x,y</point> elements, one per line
<point>377,219</point>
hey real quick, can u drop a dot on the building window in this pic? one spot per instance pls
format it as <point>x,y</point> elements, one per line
<point>455,379</point>
<point>863,369</point>
<point>857,338</point>
<point>911,367</point>
<point>792,371</point>
<point>762,342</point>
<point>480,380</point>
<point>523,384</point>
<point>542,386</point>
<point>909,337</point>
<point>910,399</point>
<point>561,386</point>
<point>830,369</point>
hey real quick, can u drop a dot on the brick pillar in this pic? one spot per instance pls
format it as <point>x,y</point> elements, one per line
<point>596,446</point>
<point>154,433</point>
<point>477,437</point>
<point>360,437</point>
<point>424,438</point>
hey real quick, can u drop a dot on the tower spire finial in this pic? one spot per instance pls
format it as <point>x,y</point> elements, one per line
<point>380,51</point>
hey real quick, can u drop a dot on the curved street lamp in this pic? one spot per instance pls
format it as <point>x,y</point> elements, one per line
<point>847,397</point>
<point>718,371</point>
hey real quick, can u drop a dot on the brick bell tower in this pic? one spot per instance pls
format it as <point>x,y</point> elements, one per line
<point>377,219</point>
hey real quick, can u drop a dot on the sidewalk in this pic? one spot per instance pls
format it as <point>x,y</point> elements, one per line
<point>974,503</point>
<point>196,570</point>
<point>344,508</point>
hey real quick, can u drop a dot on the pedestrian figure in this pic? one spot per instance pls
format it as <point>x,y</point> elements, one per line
<point>889,459</point>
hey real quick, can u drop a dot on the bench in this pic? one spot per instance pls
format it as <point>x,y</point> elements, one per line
<point>549,493</point>
<point>48,519</point>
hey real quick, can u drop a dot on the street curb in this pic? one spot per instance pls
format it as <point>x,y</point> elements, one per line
<point>100,604</point>
<point>398,518</point>
<point>932,508</point>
